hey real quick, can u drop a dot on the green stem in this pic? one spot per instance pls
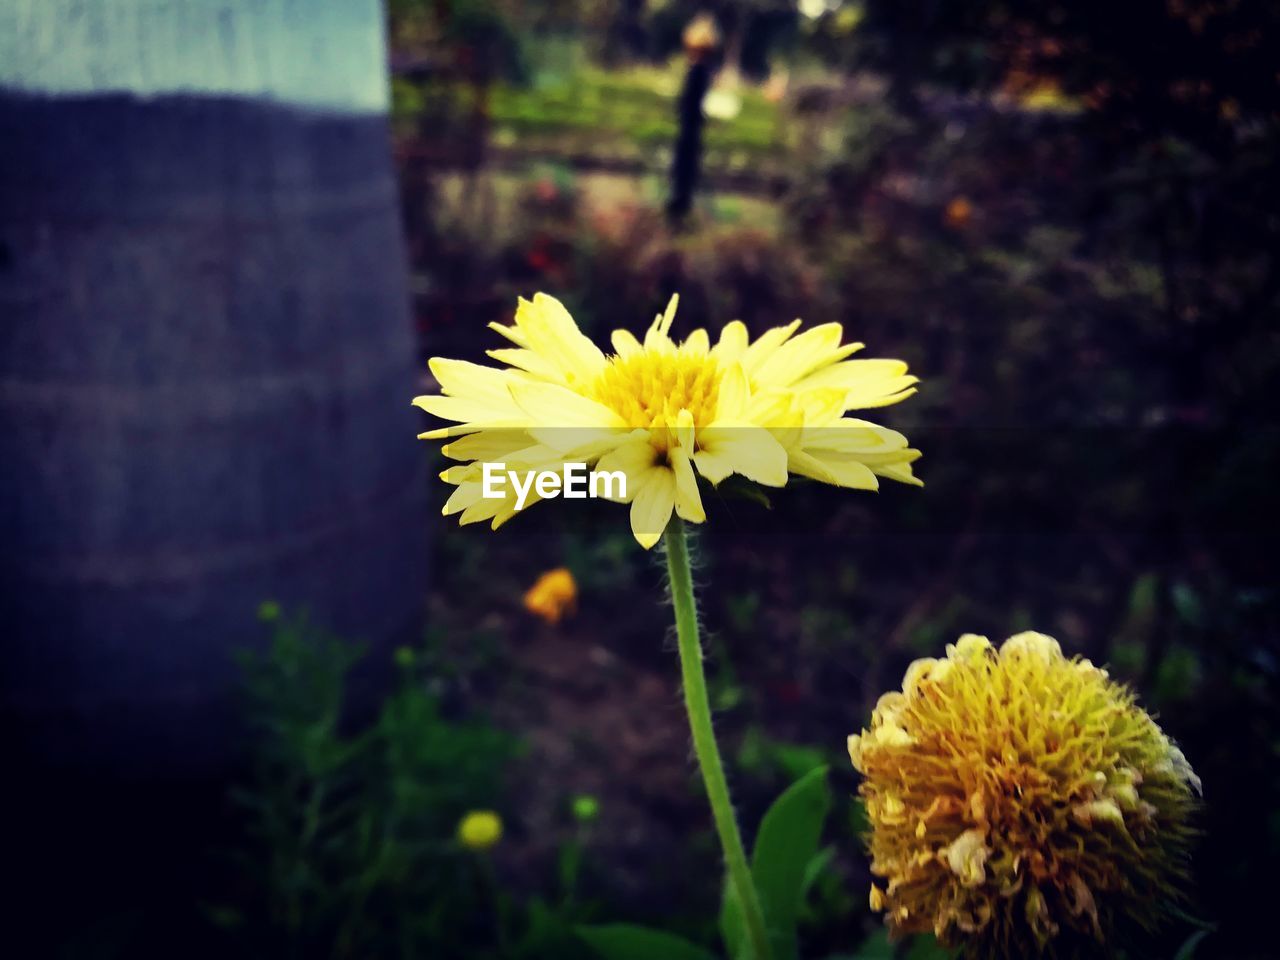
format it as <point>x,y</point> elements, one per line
<point>704,738</point>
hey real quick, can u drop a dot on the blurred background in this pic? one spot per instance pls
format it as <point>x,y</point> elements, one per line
<point>251,687</point>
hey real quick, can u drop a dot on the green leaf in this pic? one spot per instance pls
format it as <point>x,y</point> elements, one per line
<point>797,759</point>
<point>785,845</point>
<point>813,870</point>
<point>742,489</point>
<point>926,947</point>
<point>1198,922</point>
<point>624,941</point>
<point>859,822</point>
<point>1187,603</point>
<point>1188,950</point>
<point>875,947</point>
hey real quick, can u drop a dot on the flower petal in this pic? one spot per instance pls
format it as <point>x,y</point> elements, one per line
<point>551,331</point>
<point>747,449</point>
<point>651,508</point>
<point>732,343</point>
<point>657,337</point>
<point>471,411</point>
<point>487,445</point>
<point>527,360</point>
<point>841,473</point>
<point>731,401</point>
<point>625,344</point>
<point>769,341</point>
<point>688,499</point>
<point>817,347</point>
<point>549,405</point>
<point>634,458</point>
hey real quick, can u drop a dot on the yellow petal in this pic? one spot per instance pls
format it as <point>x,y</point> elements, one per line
<point>741,448</point>
<point>848,435</point>
<point>507,508</point>
<point>852,372</point>
<point>464,496</point>
<point>841,473</point>
<point>756,354</point>
<point>652,506</point>
<point>468,410</point>
<point>899,471</point>
<point>684,429</point>
<point>634,458</point>
<point>773,408</point>
<point>527,360</point>
<point>688,499</point>
<point>731,401</point>
<point>512,333</point>
<point>480,511</point>
<point>625,344</point>
<point>868,399</point>
<point>551,406</point>
<point>732,343</point>
<point>459,378</point>
<point>657,337</point>
<point>487,445</point>
<point>698,344</point>
<point>822,407</point>
<point>552,332</point>
<point>819,346</point>
<point>580,444</point>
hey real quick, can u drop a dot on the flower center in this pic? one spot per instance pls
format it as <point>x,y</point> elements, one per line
<point>649,390</point>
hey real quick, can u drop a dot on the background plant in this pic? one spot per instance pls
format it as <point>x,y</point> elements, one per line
<point>350,817</point>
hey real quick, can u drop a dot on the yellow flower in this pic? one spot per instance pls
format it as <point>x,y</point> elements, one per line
<point>552,595</point>
<point>1021,803</point>
<point>663,413</point>
<point>480,829</point>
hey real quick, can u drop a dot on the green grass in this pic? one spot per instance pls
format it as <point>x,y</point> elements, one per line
<point>628,114</point>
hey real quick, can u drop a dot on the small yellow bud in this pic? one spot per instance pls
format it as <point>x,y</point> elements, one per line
<point>480,829</point>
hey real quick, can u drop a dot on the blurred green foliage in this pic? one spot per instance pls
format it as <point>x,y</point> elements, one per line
<point>635,107</point>
<point>348,841</point>
<point>789,867</point>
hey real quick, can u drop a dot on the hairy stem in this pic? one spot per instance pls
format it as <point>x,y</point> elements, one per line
<point>704,738</point>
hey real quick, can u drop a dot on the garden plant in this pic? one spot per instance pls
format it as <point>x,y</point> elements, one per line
<point>1020,802</point>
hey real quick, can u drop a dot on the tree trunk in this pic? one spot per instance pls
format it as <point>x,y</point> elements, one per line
<point>205,360</point>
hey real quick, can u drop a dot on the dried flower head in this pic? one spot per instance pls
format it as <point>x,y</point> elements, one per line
<point>552,595</point>
<point>1021,803</point>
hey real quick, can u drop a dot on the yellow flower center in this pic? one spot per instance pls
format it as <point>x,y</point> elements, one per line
<point>649,390</point>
